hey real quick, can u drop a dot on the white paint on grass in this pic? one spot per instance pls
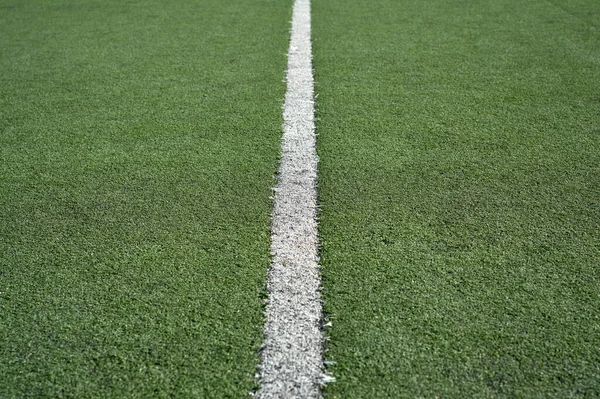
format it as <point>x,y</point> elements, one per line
<point>292,352</point>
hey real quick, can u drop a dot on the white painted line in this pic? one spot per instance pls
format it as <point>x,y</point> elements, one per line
<point>292,356</point>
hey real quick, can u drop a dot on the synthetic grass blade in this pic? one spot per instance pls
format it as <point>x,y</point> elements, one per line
<point>291,357</point>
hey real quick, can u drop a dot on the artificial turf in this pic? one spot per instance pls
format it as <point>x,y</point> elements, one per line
<point>459,184</point>
<point>138,143</point>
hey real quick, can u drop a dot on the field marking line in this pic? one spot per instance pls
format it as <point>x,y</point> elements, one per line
<point>291,356</point>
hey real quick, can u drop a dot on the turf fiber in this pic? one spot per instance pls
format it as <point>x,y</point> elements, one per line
<point>138,143</point>
<point>460,196</point>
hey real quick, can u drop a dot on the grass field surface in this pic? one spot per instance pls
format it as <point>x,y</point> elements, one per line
<point>460,196</point>
<point>138,144</point>
<point>459,189</point>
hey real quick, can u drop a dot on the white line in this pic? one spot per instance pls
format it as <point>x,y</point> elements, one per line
<point>292,352</point>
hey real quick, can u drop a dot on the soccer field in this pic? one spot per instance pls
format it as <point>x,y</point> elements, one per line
<point>459,195</point>
<point>139,140</point>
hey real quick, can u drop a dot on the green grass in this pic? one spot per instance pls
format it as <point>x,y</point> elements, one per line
<point>460,192</point>
<point>138,143</point>
<point>459,185</point>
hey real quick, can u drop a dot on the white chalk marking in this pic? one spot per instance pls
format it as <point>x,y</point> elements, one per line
<point>292,359</point>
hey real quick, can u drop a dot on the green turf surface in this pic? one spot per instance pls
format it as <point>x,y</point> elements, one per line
<point>138,143</point>
<point>460,193</point>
